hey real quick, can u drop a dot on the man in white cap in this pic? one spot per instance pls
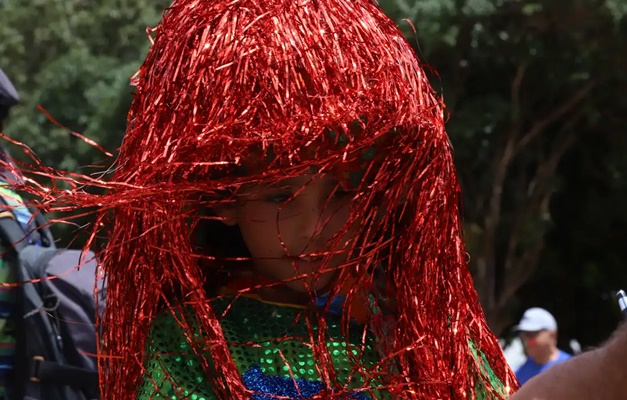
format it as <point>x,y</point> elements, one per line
<point>594,374</point>
<point>538,331</point>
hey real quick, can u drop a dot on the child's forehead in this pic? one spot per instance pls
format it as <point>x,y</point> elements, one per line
<point>345,158</point>
<point>293,182</point>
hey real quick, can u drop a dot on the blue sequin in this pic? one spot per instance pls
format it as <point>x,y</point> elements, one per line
<point>257,381</point>
<point>336,304</point>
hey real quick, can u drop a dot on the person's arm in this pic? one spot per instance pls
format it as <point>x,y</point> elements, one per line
<point>596,374</point>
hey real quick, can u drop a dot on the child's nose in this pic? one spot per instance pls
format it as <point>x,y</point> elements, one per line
<point>311,221</point>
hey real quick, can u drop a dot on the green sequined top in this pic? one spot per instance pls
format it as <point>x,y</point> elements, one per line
<point>267,365</point>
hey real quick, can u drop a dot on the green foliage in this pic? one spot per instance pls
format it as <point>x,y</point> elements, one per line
<point>74,60</point>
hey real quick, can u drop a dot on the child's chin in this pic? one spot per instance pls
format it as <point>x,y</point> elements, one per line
<point>310,286</point>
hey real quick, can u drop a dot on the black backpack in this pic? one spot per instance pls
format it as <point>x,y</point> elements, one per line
<point>55,310</point>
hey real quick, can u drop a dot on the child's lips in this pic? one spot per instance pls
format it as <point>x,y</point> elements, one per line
<point>307,262</point>
<point>309,258</point>
<point>312,261</point>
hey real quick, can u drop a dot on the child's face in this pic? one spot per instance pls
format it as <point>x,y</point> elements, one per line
<point>287,227</point>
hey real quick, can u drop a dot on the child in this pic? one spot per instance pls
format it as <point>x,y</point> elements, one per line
<point>285,216</point>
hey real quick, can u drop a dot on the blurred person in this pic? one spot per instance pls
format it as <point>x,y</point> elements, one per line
<point>32,366</point>
<point>596,374</point>
<point>8,98</point>
<point>538,332</point>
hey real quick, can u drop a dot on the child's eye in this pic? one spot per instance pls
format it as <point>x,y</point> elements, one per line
<point>342,194</point>
<point>279,198</point>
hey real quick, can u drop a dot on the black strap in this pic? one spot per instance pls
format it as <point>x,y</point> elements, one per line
<point>43,229</point>
<point>13,234</point>
<point>52,372</point>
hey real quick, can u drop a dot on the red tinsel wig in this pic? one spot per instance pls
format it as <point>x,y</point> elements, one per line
<point>241,91</point>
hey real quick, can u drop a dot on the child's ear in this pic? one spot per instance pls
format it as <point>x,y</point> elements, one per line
<point>227,213</point>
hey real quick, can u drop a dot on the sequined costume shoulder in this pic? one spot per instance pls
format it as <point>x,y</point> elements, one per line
<point>270,346</point>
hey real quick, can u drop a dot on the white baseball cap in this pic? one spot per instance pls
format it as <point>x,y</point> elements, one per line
<point>536,319</point>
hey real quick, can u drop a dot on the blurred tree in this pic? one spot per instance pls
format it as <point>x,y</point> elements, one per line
<point>73,58</point>
<point>584,260</point>
<point>524,82</point>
